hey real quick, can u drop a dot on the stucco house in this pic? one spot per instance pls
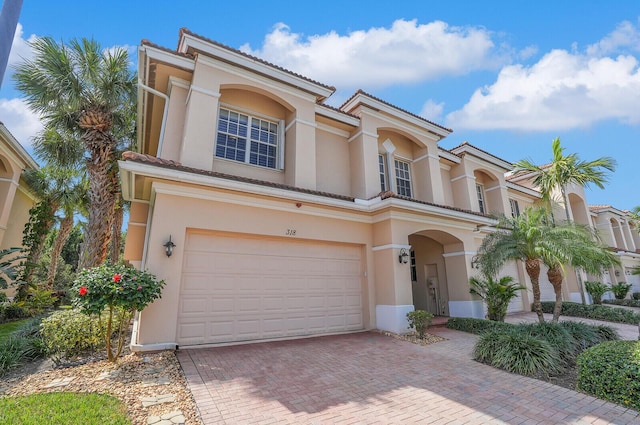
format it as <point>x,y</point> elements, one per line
<point>287,217</point>
<point>15,198</point>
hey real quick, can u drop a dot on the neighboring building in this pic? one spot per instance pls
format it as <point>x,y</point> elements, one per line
<point>15,198</point>
<point>294,218</point>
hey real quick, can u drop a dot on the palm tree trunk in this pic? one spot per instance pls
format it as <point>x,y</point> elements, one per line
<point>532,267</point>
<point>101,198</point>
<point>554,274</point>
<point>66,225</point>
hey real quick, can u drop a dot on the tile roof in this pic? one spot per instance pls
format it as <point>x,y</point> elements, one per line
<point>253,58</point>
<point>169,164</point>
<point>599,207</point>
<point>465,143</point>
<point>362,92</point>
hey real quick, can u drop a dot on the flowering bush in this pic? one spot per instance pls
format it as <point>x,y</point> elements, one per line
<point>118,290</point>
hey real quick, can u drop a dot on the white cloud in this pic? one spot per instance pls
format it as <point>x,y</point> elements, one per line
<point>626,35</point>
<point>432,111</point>
<point>407,52</point>
<point>563,90</point>
<point>19,120</point>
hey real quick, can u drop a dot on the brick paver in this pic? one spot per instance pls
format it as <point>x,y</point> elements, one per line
<point>368,378</point>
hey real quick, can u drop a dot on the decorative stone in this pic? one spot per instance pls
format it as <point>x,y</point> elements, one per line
<point>60,382</point>
<point>173,418</point>
<point>159,399</point>
<point>160,380</point>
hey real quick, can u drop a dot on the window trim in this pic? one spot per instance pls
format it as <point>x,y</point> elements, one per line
<point>482,199</point>
<point>382,172</point>
<point>280,137</point>
<point>409,180</point>
<point>512,203</point>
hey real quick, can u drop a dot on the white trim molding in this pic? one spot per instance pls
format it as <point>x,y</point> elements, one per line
<point>474,308</point>
<point>390,246</point>
<point>458,253</point>
<point>393,318</point>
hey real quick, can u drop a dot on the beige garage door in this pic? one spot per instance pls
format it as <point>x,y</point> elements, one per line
<point>237,288</point>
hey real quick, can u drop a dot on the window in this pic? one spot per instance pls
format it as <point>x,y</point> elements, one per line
<point>481,203</point>
<point>403,178</point>
<point>383,173</point>
<point>247,139</point>
<point>515,208</point>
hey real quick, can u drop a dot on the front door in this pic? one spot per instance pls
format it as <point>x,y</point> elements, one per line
<point>437,301</point>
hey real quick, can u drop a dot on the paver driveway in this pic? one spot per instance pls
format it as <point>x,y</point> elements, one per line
<point>369,378</point>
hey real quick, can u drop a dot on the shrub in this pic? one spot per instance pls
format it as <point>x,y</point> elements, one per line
<point>38,300</point>
<point>636,296</point>
<point>3,297</point>
<point>596,290</point>
<point>620,290</point>
<point>607,333</point>
<point>69,333</point>
<point>497,294</point>
<point>420,321</point>
<point>23,345</point>
<point>611,371</point>
<point>475,326</point>
<point>584,335</point>
<point>516,352</point>
<point>625,302</point>
<point>120,291</point>
<point>558,337</point>
<point>13,311</point>
<point>597,312</point>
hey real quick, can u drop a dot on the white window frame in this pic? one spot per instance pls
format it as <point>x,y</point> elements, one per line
<point>397,162</point>
<point>482,203</point>
<point>382,168</point>
<point>515,207</point>
<point>280,128</point>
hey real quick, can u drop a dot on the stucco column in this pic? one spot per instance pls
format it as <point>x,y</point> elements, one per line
<point>429,178</point>
<point>394,298</point>
<point>300,142</point>
<point>363,151</point>
<point>461,302</point>
<point>200,127</point>
<point>464,192</point>
<point>8,189</point>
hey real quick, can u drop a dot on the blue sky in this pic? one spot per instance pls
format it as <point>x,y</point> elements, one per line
<point>506,76</point>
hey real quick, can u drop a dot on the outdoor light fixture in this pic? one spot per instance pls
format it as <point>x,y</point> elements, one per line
<point>404,256</point>
<point>168,247</point>
<point>475,263</point>
<point>617,272</point>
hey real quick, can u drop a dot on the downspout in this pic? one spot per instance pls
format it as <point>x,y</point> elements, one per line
<point>164,113</point>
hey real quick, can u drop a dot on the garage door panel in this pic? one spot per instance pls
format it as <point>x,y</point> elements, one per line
<point>238,289</point>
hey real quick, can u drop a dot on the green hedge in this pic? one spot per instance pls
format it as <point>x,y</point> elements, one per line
<point>625,302</point>
<point>475,326</point>
<point>596,312</point>
<point>611,371</point>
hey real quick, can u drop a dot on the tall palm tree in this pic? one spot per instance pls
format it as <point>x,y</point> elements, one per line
<point>562,171</point>
<point>83,90</point>
<point>535,240</point>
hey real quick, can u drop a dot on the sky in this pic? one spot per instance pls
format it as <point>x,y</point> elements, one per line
<point>505,76</point>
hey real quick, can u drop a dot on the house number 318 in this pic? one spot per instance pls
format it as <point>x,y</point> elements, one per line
<point>291,232</point>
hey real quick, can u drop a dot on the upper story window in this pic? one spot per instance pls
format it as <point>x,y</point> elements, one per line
<point>403,178</point>
<point>382,166</point>
<point>482,206</point>
<point>515,208</point>
<point>245,138</point>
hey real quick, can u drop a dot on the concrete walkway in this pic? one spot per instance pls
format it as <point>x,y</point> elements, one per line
<point>368,378</point>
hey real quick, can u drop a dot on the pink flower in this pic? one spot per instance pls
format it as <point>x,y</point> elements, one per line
<point>83,291</point>
<point>139,288</point>
<point>117,277</point>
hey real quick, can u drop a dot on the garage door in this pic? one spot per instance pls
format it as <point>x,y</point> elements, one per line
<point>239,288</point>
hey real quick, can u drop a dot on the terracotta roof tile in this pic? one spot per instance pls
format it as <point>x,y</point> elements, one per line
<point>389,194</point>
<point>465,143</point>
<point>362,92</point>
<point>254,58</point>
<point>599,207</point>
<point>146,42</point>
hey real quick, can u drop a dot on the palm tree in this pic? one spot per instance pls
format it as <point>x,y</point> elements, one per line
<point>82,90</point>
<point>497,294</point>
<point>563,171</point>
<point>535,240</point>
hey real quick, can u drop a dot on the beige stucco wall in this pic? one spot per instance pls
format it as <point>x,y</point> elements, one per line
<point>333,174</point>
<point>18,217</point>
<point>244,215</point>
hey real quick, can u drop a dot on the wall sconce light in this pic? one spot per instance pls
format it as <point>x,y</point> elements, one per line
<point>475,262</point>
<point>168,247</point>
<point>617,272</point>
<point>627,272</point>
<point>403,258</point>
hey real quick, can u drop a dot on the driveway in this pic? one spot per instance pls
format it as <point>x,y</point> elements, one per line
<point>369,378</point>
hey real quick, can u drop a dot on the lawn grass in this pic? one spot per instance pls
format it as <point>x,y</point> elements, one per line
<point>7,328</point>
<point>63,408</point>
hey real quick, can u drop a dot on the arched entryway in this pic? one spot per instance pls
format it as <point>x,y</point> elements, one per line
<point>432,255</point>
